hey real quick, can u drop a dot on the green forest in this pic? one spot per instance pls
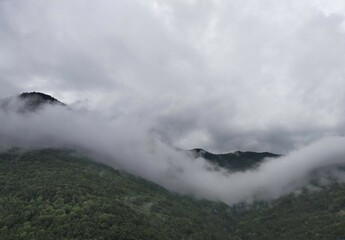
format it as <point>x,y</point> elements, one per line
<point>59,194</point>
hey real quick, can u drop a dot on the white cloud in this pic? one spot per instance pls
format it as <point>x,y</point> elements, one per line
<point>223,75</point>
<point>127,143</point>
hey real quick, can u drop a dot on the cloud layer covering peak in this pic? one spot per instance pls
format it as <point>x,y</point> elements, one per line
<point>221,75</point>
<point>129,144</point>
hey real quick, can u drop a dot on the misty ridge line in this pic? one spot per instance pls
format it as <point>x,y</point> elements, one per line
<point>254,86</point>
<point>127,144</point>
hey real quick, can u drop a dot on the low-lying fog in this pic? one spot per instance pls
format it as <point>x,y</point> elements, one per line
<point>127,144</point>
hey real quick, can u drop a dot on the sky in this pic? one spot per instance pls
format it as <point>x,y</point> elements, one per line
<point>222,75</point>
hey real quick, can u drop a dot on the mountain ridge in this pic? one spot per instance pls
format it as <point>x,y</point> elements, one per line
<point>235,161</point>
<point>29,102</point>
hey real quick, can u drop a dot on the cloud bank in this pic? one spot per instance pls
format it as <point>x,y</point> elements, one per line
<point>129,144</point>
<point>219,74</point>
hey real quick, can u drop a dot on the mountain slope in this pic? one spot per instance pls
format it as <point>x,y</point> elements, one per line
<point>51,194</point>
<point>237,161</point>
<point>56,194</point>
<point>309,215</point>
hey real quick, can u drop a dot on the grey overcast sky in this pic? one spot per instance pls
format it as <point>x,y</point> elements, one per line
<point>223,75</point>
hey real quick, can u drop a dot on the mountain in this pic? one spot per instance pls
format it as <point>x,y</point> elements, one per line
<point>29,101</point>
<point>59,194</point>
<point>35,99</point>
<point>237,161</point>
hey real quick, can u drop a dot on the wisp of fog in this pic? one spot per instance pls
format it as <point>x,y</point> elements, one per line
<point>128,143</point>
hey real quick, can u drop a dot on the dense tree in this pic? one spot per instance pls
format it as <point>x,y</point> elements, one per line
<point>56,194</point>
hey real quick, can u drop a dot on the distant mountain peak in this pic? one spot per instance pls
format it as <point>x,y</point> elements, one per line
<point>34,100</point>
<point>28,102</point>
<point>39,98</point>
<point>234,161</point>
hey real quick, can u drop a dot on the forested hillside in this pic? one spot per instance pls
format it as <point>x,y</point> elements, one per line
<point>57,194</point>
<point>51,194</point>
